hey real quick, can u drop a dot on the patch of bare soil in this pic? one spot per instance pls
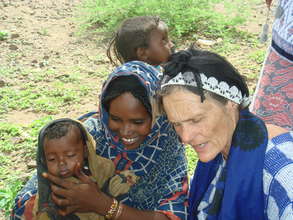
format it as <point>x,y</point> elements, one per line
<point>42,36</point>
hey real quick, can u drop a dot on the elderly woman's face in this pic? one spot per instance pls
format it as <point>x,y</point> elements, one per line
<point>207,126</point>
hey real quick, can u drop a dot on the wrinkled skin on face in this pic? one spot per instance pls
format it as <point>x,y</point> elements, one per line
<point>207,126</point>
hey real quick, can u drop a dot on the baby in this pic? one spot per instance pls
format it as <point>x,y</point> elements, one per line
<point>63,144</point>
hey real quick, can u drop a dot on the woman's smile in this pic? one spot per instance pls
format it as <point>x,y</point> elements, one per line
<point>129,141</point>
<point>129,119</point>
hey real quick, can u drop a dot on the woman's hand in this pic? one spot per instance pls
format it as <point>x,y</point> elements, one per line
<point>86,197</point>
<point>78,197</point>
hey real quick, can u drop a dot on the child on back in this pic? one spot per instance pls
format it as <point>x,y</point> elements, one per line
<point>63,146</point>
<point>143,38</point>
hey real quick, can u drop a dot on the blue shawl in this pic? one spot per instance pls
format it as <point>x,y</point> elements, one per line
<point>239,190</point>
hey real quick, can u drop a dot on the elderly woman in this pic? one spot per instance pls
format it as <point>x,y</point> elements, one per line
<point>245,166</point>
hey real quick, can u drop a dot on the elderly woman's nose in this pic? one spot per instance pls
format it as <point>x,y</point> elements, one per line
<point>186,135</point>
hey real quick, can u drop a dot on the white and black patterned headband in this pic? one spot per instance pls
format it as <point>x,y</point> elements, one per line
<point>211,84</point>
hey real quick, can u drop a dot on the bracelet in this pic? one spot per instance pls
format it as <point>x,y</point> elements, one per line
<point>113,209</point>
<point>119,211</point>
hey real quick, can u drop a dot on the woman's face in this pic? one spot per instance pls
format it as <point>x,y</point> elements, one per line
<point>63,154</point>
<point>129,119</point>
<point>207,126</point>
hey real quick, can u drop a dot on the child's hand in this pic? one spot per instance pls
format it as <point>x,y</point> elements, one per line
<point>77,197</point>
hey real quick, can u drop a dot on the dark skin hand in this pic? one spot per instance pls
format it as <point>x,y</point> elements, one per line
<point>82,197</point>
<point>86,197</point>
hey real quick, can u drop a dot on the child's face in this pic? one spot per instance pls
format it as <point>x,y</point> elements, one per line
<point>64,153</point>
<point>159,49</point>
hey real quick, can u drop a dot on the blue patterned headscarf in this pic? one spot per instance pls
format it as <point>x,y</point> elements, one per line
<point>148,76</point>
<point>159,161</point>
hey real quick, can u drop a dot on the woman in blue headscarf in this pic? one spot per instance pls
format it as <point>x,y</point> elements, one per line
<point>142,146</point>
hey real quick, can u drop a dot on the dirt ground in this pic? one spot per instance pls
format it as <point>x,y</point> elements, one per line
<point>43,35</point>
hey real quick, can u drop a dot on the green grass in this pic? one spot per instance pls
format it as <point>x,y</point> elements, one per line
<point>192,160</point>
<point>184,18</point>
<point>8,194</point>
<point>41,92</point>
<point>3,35</point>
<point>7,133</point>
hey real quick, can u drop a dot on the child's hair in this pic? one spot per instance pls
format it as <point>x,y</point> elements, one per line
<point>133,33</point>
<point>61,129</point>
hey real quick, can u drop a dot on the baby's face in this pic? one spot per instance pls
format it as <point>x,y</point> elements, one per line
<point>64,153</point>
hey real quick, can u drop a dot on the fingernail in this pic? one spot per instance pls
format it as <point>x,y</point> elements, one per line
<point>45,175</point>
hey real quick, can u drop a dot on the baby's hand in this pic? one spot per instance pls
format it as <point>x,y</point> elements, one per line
<point>75,197</point>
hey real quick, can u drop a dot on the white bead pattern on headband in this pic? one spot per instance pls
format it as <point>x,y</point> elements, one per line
<point>210,84</point>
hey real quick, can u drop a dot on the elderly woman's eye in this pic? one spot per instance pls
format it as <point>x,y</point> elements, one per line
<point>195,121</point>
<point>176,124</point>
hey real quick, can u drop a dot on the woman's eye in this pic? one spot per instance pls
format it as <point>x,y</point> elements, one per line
<point>113,118</point>
<point>71,155</point>
<point>195,121</point>
<point>50,159</point>
<point>138,122</point>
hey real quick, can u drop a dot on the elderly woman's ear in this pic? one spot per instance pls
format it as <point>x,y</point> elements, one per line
<point>234,105</point>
